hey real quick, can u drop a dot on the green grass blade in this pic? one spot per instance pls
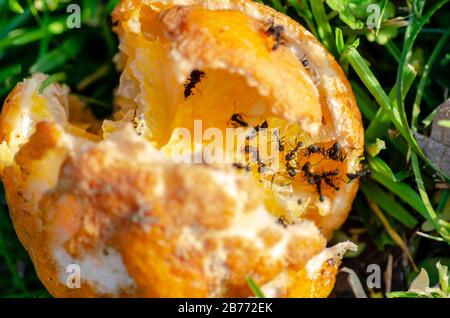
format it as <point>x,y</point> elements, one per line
<point>47,63</point>
<point>278,6</point>
<point>255,288</point>
<point>430,213</point>
<point>394,113</point>
<point>444,123</point>
<point>366,105</point>
<point>403,191</point>
<point>44,43</point>
<point>383,9</point>
<point>339,41</point>
<point>303,11</point>
<point>9,262</point>
<point>393,49</point>
<point>429,119</point>
<point>425,76</point>
<point>410,38</point>
<point>370,81</point>
<point>443,201</point>
<point>9,71</point>
<point>377,164</point>
<point>404,295</point>
<point>58,77</point>
<point>380,124</point>
<point>7,26</point>
<point>110,6</point>
<point>26,36</point>
<point>388,204</point>
<point>323,25</point>
<point>15,6</point>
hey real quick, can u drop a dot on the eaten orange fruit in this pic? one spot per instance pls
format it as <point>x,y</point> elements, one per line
<point>127,205</point>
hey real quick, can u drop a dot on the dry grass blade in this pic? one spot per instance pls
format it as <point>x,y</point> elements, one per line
<point>392,233</point>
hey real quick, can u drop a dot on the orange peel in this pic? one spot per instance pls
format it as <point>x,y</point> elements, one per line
<point>138,224</point>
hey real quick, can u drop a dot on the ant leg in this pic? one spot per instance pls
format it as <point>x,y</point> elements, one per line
<point>318,184</point>
<point>348,181</point>
<point>271,181</point>
<point>315,164</point>
<point>331,184</point>
<point>346,154</point>
<point>198,90</point>
<point>273,178</point>
<point>323,151</point>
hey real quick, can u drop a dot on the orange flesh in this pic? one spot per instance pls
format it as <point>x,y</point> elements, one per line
<point>219,95</point>
<point>156,106</point>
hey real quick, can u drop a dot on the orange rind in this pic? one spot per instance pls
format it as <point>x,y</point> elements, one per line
<point>137,222</point>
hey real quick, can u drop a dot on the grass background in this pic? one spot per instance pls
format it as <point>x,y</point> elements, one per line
<point>399,72</point>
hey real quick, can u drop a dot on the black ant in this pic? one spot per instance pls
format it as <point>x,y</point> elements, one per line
<point>282,221</point>
<point>283,175</point>
<point>317,178</point>
<point>307,170</point>
<point>291,171</point>
<point>264,125</point>
<point>317,181</point>
<point>328,178</point>
<point>252,150</point>
<point>241,166</point>
<point>133,121</point>
<point>292,153</point>
<point>281,143</point>
<point>313,149</point>
<point>290,156</point>
<point>363,173</point>
<point>195,78</point>
<point>257,128</point>
<point>276,32</point>
<point>305,62</point>
<point>336,153</point>
<point>237,121</point>
<point>262,166</point>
